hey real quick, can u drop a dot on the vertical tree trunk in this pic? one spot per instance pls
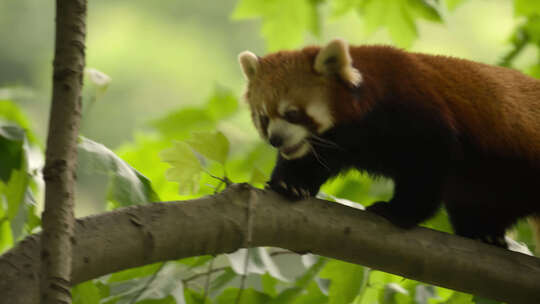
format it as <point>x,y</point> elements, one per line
<point>61,154</point>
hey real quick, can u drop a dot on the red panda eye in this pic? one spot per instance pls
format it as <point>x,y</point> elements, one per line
<point>293,116</point>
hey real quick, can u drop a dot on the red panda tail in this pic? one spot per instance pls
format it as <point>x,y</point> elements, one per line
<point>534,221</point>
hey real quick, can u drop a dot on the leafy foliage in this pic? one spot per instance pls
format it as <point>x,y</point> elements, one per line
<point>285,22</point>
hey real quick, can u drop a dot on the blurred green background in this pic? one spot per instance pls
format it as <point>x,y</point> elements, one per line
<point>169,54</point>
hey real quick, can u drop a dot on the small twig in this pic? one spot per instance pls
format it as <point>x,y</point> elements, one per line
<point>198,275</point>
<point>152,278</point>
<point>207,281</point>
<point>247,242</point>
<point>224,179</point>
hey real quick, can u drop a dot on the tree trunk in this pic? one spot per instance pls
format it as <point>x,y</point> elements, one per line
<point>61,154</point>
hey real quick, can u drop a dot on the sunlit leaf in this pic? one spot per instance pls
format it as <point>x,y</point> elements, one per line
<point>185,167</point>
<point>212,145</point>
<point>346,280</point>
<point>257,177</point>
<point>86,293</point>
<point>6,236</point>
<point>126,185</point>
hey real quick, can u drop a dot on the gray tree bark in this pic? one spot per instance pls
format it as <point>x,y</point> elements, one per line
<point>216,224</point>
<point>61,155</point>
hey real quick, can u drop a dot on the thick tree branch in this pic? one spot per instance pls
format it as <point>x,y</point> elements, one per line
<point>61,155</point>
<point>217,224</point>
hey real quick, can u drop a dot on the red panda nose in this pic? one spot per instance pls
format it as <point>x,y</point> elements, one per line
<point>276,141</point>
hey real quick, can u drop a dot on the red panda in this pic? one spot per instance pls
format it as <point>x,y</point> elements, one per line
<point>445,130</point>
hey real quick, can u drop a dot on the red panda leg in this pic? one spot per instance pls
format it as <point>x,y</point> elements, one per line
<point>473,223</point>
<point>299,178</point>
<point>416,198</point>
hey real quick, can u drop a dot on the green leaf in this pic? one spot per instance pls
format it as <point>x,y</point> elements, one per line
<point>186,168</point>
<point>193,297</point>
<point>269,284</point>
<point>283,21</point>
<point>422,9</point>
<point>257,177</point>
<point>453,4</point>
<point>158,286</point>
<point>401,25</point>
<point>346,280</point>
<point>193,262</point>
<point>249,296</point>
<point>222,103</point>
<point>10,112</point>
<point>179,124</point>
<point>220,281</point>
<point>135,273</point>
<point>212,145</point>
<point>391,292</point>
<point>11,150</point>
<point>342,7</point>
<point>86,293</point>
<point>480,300</point>
<point>6,237</point>
<point>526,7</point>
<point>458,298</point>
<point>313,295</point>
<point>127,186</point>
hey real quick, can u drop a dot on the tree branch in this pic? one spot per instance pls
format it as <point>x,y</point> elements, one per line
<point>216,224</point>
<point>61,155</point>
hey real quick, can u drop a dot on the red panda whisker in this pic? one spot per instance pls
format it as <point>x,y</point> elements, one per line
<point>318,157</point>
<point>314,139</point>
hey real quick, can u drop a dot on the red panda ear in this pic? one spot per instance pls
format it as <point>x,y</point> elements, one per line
<point>335,59</point>
<point>249,63</point>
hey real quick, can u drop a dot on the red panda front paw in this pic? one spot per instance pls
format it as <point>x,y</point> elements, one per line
<point>289,191</point>
<point>395,215</point>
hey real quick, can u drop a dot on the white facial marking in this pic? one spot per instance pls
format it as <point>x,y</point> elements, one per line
<point>294,137</point>
<point>320,113</point>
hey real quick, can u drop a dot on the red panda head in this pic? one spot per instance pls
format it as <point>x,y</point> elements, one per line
<point>290,93</point>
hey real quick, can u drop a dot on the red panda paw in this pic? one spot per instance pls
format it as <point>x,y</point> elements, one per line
<point>291,192</point>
